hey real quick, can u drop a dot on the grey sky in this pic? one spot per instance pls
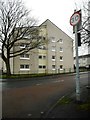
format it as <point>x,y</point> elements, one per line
<point>58,11</point>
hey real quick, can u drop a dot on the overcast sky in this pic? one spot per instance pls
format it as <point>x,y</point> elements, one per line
<point>58,11</point>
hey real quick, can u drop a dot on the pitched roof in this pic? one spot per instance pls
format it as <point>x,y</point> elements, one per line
<point>45,22</point>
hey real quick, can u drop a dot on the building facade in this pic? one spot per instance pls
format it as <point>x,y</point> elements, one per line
<point>84,61</point>
<point>55,56</point>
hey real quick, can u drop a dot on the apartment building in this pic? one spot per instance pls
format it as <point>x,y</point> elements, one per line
<point>84,61</point>
<point>55,56</point>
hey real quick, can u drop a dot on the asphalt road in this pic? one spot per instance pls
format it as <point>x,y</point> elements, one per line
<point>29,98</point>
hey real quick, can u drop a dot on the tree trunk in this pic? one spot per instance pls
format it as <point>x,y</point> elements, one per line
<point>7,62</point>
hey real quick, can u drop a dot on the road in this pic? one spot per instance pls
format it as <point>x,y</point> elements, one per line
<point>28,98</point>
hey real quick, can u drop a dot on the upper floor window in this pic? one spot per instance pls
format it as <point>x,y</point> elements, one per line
<point>61,67</point>
<point>61,41</point>
<point>61,49</point>
<point>53,39</point>
<point>42,66</point>
<point>53,57</point>
<point>40,56</point>
<point>42,47</point>
<point>44,57</point>
<point>24,56</point>
<point>22,45</point>
<point>61,58</point>
<point>53,48</point>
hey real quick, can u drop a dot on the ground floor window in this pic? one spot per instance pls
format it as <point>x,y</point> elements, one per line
<point>53,67</point>
<point>24,67</point>
<point>42,66</point>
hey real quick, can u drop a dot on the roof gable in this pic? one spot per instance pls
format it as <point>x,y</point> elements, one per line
<point>45,23</point>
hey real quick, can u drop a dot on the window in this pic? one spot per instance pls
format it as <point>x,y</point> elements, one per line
<point>44,57</point>
<point>44,66</point>
<point>40,66</point>
<point>53,39</point>
<point>24,56</point>
<point>53,48</point>
<point>22,45</point>
<point>42,47</point>
<point>61,67</point>
<point>21,66</point>
<point>24,67</point>
<point>61,58</point>
<point>61,41</point>
<point>40,56</point>
<point>53,58</point>
<point>53,67</point>
<point>61,49</point>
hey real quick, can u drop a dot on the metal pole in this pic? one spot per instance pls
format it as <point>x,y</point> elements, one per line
<point>77,68</point>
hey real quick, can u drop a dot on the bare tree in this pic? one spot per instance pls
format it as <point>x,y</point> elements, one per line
<point>16,25</point>
<point>86,23</point>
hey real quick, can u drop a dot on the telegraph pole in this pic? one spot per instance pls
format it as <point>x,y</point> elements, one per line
<point>74,21</point>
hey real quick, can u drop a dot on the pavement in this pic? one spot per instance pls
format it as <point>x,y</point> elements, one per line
<point>68,107</point>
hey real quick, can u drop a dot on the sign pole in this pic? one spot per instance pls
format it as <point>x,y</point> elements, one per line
<point>75,19</point>
<point>77,67</point>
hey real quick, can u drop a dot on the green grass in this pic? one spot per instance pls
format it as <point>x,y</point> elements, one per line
<point>64,100</point>
<point>84,106</point>
<point>23,75</point>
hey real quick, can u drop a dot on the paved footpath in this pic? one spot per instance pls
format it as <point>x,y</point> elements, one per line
<point>67,107</point>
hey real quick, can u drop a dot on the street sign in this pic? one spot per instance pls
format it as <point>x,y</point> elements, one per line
<point>75,18</point>
<point>79,25</point>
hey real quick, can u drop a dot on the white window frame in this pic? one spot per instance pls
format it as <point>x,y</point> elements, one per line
<point>61,68</point>
<point>26,69</point>
<point>53,48</point>
<point>60,40</point>
<point>42,66</point>
<point>44,57</point>
<point>24,57</point>
<point>53,68</point>
<point>40,56</point>
<point>53,59</point>
<point>53,39</point>
<point>61,50</point>
<point>62,58</point>
<point>22,45</point>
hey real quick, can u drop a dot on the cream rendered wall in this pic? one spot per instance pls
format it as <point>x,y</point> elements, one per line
<point>48,30</point>
<point>54,31</point>
<point>43,61</point>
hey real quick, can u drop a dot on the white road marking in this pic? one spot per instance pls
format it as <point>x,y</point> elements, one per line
<point>38,84</point>
<point>58,81</point>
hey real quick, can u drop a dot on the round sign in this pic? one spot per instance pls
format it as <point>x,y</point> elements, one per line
<point>74,19</point>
